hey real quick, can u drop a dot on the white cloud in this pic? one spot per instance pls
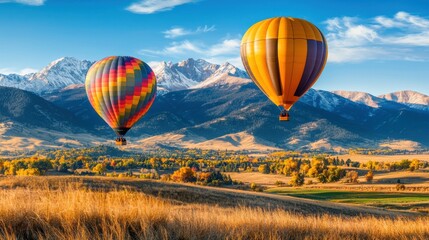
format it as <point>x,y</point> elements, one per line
<point>206,29</point>
<point>27,71</point>
<point>183,47</point>
<point>24,71</point>
<point>419,39</point>
<point>227,46</point>
<point>26,2</point>
<point>153,64</point>
<point>227,50</point>
<point>388,22</point>
<point>354,54</point>
<point>404,36</point>
<point>153,6</point>
<point>175,32</point>
<point>413,20</point>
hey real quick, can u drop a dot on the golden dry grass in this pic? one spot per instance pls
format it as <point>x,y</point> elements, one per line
<point>383,158</point>
<point>259,178</point>
<point>31,208</point>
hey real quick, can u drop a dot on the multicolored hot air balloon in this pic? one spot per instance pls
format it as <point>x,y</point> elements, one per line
<point>121,90</point>
<point>284,57</point>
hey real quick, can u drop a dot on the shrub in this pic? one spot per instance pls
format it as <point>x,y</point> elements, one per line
<point>122,175</point>
<point>279,183</point>
<point>255,187</point>
<point>236,182</point>
<point>165,177</point>
<point>352,177</point>
<point>28,172</point>
<point>369,176</point>
<point>264,168</point>
<point>62,167</point>
<point>400,187</point>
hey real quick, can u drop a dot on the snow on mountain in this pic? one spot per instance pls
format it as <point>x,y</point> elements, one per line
<point>13,80</point>
<point>193,74</point>
<point>67,71</point>
<point>412,99</point>
<point>226,74</point>
<point>322,99</point>
<point>58,74</point>
<point>361,97</point>
<point>229,69</point>
<point>63,72</point>
<point>184,74</point>
<point>337,104</point>
<point>370,100</point>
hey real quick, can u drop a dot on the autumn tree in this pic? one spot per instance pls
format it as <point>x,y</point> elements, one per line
<point>297,179</point>
<point>332,174</point>
<point>184,174</point>
<point>99,168</point>
<point>28,172</point>
<point>43,165</point>
<point>414,165</point>
<point>352,177</point>
<point>369,176</point>
<point>263,168</point>
<point>290,165</point>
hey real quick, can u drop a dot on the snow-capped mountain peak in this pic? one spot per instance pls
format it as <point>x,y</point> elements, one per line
<point>67,71</point>
<point>360,97</point>
<point>407,96</point>
<point>322,99</point>
<point>231,70</point>
<point>192,73</point>
<point>56,75</point>
<point>63,72</point>
<point>226,74</point>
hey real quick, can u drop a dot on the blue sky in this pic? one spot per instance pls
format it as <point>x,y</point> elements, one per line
<point>374,46</point>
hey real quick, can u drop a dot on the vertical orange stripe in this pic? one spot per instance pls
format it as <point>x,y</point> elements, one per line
<point>300,56</point>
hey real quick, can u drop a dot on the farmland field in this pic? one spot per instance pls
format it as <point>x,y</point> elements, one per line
<point>352,196</point>
<point>383,158</point>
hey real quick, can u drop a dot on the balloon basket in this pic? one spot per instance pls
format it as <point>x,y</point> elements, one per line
<point>284,117</point>
<point>121,142</point>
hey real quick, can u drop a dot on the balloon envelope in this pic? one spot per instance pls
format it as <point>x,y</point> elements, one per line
<point>121,90</point>
<point>284,57</point>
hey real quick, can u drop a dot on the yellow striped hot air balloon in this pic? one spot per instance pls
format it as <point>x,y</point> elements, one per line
<point>121,90</point>
<point>284,57</point>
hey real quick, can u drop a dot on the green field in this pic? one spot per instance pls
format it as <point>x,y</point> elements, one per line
<point>384,199</point>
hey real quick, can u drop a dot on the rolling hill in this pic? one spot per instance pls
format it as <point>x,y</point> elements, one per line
<point>237,116</point>
<point>30,122</point>
<point>204,105</point>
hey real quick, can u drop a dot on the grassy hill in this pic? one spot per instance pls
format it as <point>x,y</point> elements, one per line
<point>112,208</point>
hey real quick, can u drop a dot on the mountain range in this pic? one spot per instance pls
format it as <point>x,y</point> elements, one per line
<point>205,105</point>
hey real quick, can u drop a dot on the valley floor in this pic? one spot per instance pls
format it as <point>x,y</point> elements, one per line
<point>380,193</point>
